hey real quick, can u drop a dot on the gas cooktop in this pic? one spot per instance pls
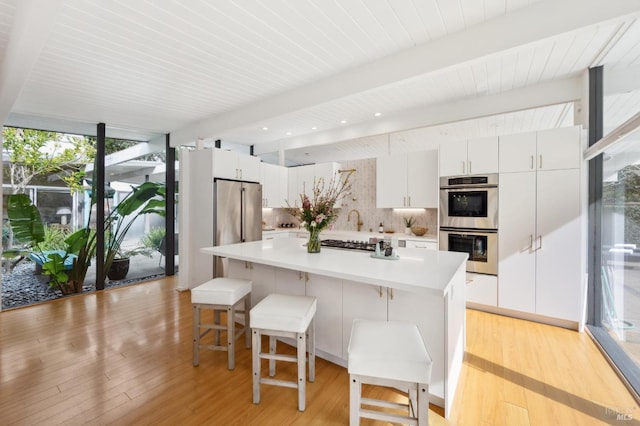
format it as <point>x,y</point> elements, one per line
<point>349,245</point>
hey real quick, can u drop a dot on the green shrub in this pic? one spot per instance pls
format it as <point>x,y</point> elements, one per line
<point>54,237</point>
<point>152,239</point>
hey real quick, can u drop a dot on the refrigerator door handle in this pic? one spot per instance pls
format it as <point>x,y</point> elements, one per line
<point>243,223</point>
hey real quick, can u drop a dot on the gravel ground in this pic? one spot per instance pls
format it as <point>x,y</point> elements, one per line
<point>22,287</point>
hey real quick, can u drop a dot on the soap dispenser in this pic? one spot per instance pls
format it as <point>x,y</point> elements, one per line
<point>381,228</point>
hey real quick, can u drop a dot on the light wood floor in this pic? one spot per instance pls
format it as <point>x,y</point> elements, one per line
<point>123,357</point>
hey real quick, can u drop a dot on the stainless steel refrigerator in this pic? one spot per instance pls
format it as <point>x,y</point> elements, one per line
<point>237,216</point>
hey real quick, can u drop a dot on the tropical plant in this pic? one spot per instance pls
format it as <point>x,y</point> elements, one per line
<point>147,198</point>
<point>27,226</point>
<point>153,238</point>
<point>54,238</point>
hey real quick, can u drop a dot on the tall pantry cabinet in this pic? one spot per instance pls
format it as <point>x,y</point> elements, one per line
<point>540,228</point>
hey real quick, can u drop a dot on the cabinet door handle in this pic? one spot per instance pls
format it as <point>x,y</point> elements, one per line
<point>464,164</point>
<point>240,173</point>
<point>299,275</point>
<point>391,293</point>
<point>540,162</point>
<point>531,163</point>
<point>530,242</point>
<point>380,291</point>
<point>409,203</point>
<point>469,166</point>
<point>404,201</point>
<point>419,246</point>
<point>306,277</point>
<point>540,246</point>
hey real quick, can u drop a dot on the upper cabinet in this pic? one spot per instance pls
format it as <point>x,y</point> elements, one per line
<point>274,180</point>
<point>236,166</point>
<point>554,149</point>
<point>301,179</point>
<point>472,157</point>
<point>407,180</point>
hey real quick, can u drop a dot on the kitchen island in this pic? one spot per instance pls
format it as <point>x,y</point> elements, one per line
<point>424,287</point>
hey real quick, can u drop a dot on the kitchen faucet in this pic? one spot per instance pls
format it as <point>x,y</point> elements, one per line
<point>359,224</point>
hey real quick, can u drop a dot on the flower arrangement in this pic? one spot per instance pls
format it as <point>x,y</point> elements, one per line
<point>318,211</point>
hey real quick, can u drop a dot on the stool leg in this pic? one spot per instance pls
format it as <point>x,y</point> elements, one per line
<point>355,393</point>
<point>423,404</point>
<point>231,345</point>
<point>312,350</point>
<point>247,320</point>
<point>302,369</point>
<point>216,321</point>
<point>196,335</point>
<point>255,355</point>
<point>273,343</point>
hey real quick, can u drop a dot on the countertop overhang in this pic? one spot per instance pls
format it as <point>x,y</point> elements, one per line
<point>417,270</point>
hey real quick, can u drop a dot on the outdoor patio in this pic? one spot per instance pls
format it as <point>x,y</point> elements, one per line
<point>23,287</point>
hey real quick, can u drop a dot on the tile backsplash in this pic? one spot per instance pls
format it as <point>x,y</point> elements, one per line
<point>363,199</point>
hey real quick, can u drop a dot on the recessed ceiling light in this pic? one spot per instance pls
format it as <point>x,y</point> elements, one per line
<point>288,133</point>
<point>265,128</point>
<point>343,121</point>
<point>377,114</point>
<point>314,128</point>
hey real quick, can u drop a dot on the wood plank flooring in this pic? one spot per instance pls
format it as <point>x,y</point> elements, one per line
<point>123,357</point>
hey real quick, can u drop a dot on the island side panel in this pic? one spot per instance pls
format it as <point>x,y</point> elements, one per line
<point>455,306</point>
<point>429,314</point>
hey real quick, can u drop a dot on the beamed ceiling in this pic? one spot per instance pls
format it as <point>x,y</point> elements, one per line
<point>308,76</point>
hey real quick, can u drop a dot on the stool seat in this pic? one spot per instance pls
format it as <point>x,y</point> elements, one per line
<point>389,350</point>
<point>284,312</point>
<point>220,291</point>
<point>229,295</point>
<point>390,354</point>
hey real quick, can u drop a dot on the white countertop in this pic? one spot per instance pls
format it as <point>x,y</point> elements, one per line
<point>417,270</point>
<point>355,235</point>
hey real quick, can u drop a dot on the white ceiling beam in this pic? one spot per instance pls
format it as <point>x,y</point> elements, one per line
<point>32,24</point>
<point>524,26</point>
<point>544,94</point>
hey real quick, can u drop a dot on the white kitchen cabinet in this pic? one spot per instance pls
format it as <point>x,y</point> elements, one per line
<point>328,292</point>
<point>553,149</point>
<point>407,180</point>
<point>291,282</point>
<point>302,178</point>
<point>236,166</point>
<point>274,186</point>
<point>361,301</point>
<point>559,248</point>
<point>472,157</point>
<point>540,243</point>
<point>517,219</point>
<point>482,289</point>
<point>263,278</point>
<point>429,245</point>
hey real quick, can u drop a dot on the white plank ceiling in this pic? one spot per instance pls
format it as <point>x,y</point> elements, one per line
<point>307,76</point>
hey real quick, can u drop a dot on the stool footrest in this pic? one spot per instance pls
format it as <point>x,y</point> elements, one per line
<point>385,404</point>
<point>278,382</point>
<point>279,357</point>
<point>388,417</point>
<point>213,347</point>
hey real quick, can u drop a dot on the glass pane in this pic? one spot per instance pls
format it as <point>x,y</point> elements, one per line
<point>620,305</point>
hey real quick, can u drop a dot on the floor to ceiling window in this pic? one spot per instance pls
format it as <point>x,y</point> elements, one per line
<point>615,319</point>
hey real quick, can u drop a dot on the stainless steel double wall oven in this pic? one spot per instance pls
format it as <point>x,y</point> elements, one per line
<point>469,220</point>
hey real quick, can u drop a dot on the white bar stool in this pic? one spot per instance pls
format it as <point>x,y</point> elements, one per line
<point>392,354</point>
<point>279,315</point>
<point>221,294</point>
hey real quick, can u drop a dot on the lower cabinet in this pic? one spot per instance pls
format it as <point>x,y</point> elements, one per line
<point>482,289</point>
<point>262,276</point>
<point>329,328</point>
